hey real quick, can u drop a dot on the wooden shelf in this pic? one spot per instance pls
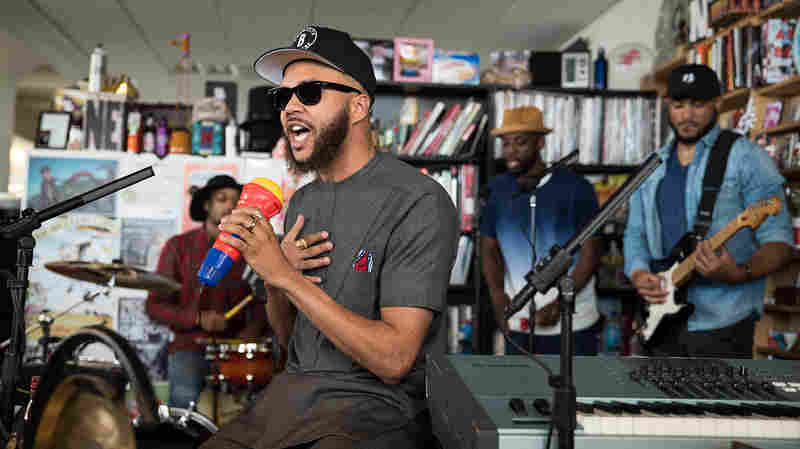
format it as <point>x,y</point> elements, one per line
<point>734,99</point>
<point>784,10</point>
<point>596,92</point>
<point>433,89</point>
<point>729,19</point>
<point>786,88</point>
<point>781,308</point>
<point>782,353</point>
<point>780,129</point>
<point>600,169</point>
<point>439,160</point>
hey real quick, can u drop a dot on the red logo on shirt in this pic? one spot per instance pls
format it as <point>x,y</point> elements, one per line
<point>363,261</point>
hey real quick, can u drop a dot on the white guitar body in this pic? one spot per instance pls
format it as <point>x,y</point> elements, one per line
<point>680,272</point>
<point>657,312</point>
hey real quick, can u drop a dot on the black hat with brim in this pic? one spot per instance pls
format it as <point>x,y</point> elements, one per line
<point>197,208</point>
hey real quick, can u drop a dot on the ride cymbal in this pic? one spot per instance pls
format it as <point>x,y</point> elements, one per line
<point>125,275</point>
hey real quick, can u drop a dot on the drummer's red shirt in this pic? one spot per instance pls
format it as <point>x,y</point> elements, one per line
<point>180,259</point>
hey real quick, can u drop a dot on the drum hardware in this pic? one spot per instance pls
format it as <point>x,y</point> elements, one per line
<point>45,319</point>
<point>21,231</point>
<point>156,424</point>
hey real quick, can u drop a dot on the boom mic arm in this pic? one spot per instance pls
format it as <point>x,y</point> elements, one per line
<point>547,272</point>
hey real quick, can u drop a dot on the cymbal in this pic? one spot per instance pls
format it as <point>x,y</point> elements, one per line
<point>126,275</point>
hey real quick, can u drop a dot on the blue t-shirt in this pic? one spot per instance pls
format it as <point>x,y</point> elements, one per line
<point>563,206</point>
<point>671,198</point>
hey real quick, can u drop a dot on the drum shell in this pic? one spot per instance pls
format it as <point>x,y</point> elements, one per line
<point>244,364</point>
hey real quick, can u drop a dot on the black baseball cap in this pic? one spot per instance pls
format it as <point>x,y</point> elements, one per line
<point>331,47</point>
<point>693,81</point>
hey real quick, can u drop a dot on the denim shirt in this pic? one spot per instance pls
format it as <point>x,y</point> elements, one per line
<point>750,176</point>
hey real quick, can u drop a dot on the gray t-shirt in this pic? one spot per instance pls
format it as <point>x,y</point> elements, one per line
<point>395,235</point>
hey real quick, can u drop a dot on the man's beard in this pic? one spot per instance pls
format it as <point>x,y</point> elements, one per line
<point>700,134</point>
<point>327,146</point>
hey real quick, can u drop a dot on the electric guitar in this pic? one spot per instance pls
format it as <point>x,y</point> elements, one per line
<point>659,322</point>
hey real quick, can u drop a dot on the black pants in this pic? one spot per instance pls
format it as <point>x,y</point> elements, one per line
<point>732,342</point>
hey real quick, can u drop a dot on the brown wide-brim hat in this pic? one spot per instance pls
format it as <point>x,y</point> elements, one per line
<point>523,119</point>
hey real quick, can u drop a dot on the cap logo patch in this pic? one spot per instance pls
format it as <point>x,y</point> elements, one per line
<point>306,38</point>
<point>688,78</point>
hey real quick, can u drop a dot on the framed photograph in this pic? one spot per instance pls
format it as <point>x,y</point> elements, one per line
<point>575,69</point>
<point>413,60</point>
<point>53,130</point>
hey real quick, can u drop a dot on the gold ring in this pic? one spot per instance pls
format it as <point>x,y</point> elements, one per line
<point>251,225</point>
<point>302,244</point>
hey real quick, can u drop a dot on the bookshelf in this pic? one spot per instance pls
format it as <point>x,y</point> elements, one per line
<point>738,98</point>
<point>390,98</point>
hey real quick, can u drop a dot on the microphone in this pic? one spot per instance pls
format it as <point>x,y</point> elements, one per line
<point>261,193</point>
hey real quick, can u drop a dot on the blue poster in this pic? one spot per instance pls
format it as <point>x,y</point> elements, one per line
<point>52,180</point>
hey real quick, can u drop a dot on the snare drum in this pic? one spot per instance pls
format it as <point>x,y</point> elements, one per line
<point>241,363</point>
<point>179,429</point>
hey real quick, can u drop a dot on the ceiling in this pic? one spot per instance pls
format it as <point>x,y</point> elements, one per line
<point>136,33</point>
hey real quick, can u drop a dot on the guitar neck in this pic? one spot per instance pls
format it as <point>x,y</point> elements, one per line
<point>686,268</point>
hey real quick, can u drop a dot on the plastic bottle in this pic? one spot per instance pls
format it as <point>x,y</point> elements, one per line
<point>601,70</point>
<point>149,135</point>
<point>162,138</point>
<point>97,69</point>
<point>134,141</point>
<point>231,147</point>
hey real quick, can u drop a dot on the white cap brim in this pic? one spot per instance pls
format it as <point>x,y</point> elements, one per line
<point>270,65</point>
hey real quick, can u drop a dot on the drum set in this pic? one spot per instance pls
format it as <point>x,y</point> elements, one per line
<point>82,403</point>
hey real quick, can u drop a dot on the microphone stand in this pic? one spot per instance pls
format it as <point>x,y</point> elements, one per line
<point>22,231</point>
<point>552,270</point>
<point>563,162</point>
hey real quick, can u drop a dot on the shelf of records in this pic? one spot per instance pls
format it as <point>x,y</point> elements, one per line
<point>613,131</point>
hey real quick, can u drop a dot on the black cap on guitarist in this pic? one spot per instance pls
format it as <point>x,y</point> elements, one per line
<point>705,229</point>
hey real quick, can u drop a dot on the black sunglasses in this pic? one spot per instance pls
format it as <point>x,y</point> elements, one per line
<point>309,93</point>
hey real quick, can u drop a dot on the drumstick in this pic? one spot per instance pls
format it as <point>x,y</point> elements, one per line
<point>238,307</point>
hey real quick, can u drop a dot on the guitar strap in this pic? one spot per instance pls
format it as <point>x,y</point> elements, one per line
<point>712,180</point>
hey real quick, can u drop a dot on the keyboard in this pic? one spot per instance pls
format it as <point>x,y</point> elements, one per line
<point>481,401</point>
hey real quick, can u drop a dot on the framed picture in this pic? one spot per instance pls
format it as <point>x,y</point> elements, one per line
<point>575,69</point>
<point>53,130</point>
<point>413,60</point>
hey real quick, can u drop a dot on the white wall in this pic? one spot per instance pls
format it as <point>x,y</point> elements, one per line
<point>628,21</point>
<point>15,60</point>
